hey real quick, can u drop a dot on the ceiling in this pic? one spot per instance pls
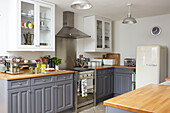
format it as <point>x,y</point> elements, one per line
<point>117,9</point>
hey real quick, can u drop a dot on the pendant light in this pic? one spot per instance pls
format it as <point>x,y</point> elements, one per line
<point>81,4</point>
<point>129,19</point>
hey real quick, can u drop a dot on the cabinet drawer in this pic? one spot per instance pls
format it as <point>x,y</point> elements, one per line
<point>18,83</point>
<point>122,70</point>
<point>104,71</point>
<point>64,77</point>
<point>42,80</point>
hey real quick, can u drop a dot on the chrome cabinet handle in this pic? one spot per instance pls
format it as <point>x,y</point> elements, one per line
<point>29,91</point>
<point>43,80</point>
<point>55,86</point>
<point>19,83</point>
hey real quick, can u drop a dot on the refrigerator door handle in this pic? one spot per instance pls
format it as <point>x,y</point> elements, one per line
<point>153,65</point>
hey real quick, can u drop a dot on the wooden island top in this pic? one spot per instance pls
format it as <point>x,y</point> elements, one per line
<point>152,98</point>
<point>27,75</point>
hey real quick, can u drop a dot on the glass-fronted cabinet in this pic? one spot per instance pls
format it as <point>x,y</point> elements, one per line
<point>35,21</point>
<point>99,34</point>
<point>103,35</point>
<point>107,36</point>
<point>45,27</point>
<point>27,24</point>
<point>100,30</point>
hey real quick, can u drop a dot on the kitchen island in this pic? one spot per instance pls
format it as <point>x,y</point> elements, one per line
<point>152,98</point>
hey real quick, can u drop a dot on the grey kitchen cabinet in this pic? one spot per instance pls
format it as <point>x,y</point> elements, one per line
<point>107,84</point>
<point>63,95</point>
<point>99,86</point>
<point>37,95</point>
<point>122,80</point>
<point>43,98</point>
<point>19,100</point>
<point>104,82</point>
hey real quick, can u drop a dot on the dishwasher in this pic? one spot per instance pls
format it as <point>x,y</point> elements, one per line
<point>85,90</point>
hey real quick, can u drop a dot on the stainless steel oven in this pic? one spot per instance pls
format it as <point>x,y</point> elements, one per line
<point>85,91</point>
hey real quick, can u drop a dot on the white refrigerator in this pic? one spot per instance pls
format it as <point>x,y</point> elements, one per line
<point>151,65</point>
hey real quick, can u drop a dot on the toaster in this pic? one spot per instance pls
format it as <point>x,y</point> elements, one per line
<point>131,62</point>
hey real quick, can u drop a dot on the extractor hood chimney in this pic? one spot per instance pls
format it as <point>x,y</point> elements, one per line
<point>68,30</point>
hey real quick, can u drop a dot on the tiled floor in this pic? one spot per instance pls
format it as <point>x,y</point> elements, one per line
<point>100,108</point>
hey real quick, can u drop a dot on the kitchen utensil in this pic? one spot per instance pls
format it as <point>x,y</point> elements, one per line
<point>28,38</point>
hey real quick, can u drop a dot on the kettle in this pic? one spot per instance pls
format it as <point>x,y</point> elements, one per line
<point>28,38</point>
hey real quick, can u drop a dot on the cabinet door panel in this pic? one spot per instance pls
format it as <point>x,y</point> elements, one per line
<point>43,98</point>
<point>63,96</point>
<point>37,100</point>
<point>100,86</point>
<point>107,85</point>
<point>19,100</point>
<point>49,99</point>
<point>126,83</point>
<point>68,94</point>
<point>112,83</point>
<point>59,97</point>
<point>118,84</point>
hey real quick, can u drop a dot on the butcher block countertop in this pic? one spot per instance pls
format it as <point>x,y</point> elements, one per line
<point>152,98</point>
<point>107,67</point>
<point>27,75</point>
<point>167,79</point>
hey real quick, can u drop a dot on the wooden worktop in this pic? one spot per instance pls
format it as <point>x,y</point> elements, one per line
<point>107,67</point>
<point>27,75</point>
<point>152,98</point>
<point>167,79</point>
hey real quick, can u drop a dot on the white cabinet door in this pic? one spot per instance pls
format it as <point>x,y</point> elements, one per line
<point>107,36</point>
<point>46,26</point>
<point>99,31</point>
<point>27,26</point>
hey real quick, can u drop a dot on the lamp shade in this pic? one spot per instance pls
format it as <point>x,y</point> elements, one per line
<point>81,4</point>
<point>129,20</point>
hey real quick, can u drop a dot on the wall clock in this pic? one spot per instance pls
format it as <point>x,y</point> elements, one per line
<point>156,31</point>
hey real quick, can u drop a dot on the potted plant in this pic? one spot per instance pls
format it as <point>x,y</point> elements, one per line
<point>57,61</point>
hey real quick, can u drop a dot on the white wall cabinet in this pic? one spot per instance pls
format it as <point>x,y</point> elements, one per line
<point>31,26</point>
<point>100,30</point>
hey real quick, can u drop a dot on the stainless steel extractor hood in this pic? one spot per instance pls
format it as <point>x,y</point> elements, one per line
<point>68,30</point>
